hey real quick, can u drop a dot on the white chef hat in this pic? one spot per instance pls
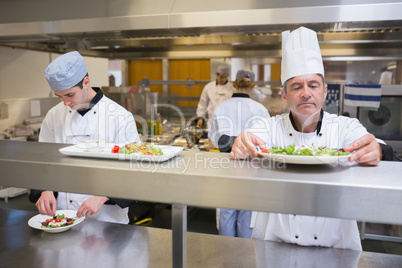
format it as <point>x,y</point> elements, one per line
<point>66,71</point>
<point>222,69</point>
<point>300,54</point>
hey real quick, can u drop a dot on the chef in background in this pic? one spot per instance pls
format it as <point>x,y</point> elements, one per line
<point>230,118</point>
<point>84,114</point>
<point>274,102</point>
<point>305,91</point>
<point>214,93</point>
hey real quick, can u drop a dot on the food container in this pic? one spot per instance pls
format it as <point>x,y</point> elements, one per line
<point>95,146</point>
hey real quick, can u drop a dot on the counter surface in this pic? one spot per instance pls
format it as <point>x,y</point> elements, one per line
<point>101,244</point>
<point>206,179</point>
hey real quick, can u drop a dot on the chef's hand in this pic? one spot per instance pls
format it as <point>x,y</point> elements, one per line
<point>200,123</point>
<point>245,145</point>
<point>367,150</point>
<point>47,203</point>
<point>91,206</point>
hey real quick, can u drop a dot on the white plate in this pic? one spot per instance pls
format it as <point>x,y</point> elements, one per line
<point>36,221</point>
<point>106,152</point>
<point>304,159</point>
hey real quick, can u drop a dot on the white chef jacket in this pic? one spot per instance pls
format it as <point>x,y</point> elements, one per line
<point>232,117</point>
<point>335,132</point>
<point>105,121</point>
<point>235,115</point>
<point>212,95</point>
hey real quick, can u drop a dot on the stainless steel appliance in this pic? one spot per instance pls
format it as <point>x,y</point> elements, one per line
<point>386,121</point>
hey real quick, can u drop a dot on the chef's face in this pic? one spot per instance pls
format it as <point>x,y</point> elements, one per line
<point>221,78</point>
<point>76,98</point>
<point>305,94</point>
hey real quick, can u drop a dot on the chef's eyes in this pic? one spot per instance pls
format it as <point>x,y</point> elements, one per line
<point>66,96</point>
<point>313,86</point>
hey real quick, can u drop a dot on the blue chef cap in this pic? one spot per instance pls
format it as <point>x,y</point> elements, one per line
<point>66,71</point>
<point>245,74</point>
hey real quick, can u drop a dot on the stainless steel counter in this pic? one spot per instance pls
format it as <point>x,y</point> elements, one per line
<point>105,245</point>
<point>370,194</point>
<point>206,179</point>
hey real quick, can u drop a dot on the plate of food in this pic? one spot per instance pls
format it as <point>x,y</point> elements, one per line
<point>61,222</point>
<point>130,151</point>
<point>306,155</point>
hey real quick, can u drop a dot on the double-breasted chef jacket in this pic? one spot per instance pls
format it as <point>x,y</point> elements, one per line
<point>334,132</point>
<point>211,96</point>
<point>104,121</point>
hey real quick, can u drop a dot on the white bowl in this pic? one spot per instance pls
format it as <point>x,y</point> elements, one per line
<point>36,221</point>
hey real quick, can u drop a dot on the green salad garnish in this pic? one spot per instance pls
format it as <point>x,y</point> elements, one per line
<point>307,150</point>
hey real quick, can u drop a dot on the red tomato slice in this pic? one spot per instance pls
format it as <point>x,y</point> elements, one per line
<point>264,150</point>
<point>115,149</point>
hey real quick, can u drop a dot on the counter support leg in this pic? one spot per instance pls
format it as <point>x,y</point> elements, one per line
<point>179,235</point>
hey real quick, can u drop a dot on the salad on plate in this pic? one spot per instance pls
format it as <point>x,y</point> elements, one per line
<point>141,148</point>
<point>305,150</point>
<point>57,221</point>
<point>62,221</point>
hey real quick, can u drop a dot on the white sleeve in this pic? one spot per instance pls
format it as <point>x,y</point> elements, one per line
<point>261,128</point>
<point>352,130</point>
<point>46,133</point>
<point>213,131</point>
<point>203,103</point>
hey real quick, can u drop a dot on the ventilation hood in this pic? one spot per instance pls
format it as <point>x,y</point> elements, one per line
<point>123,29</point>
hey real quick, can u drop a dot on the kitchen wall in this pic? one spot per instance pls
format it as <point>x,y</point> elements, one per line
<point>22,79</point>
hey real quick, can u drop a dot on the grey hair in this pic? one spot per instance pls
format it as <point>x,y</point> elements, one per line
<point>284,84</point>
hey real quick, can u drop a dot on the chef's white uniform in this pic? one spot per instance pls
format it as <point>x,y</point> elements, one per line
<point>335,132</point>
<point>235,115</point>
<point>105,121</point>
<point>211,96</point>
<point>230,118</point>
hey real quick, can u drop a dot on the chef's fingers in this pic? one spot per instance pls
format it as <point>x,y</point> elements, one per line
<point>47,203</point>
<point>370,159</point>
<point>251,142</point>
<point>367,151</point>
<point>359,143</point>
<point>81,211</point>
<point>244,146</point>
<point>45,207</point>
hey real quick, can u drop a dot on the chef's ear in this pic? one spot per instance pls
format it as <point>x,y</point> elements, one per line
<point>283,94</point>
<point>325,91</point>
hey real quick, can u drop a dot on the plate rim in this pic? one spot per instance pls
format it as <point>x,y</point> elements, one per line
<point>37,217</point>
<point>294,159</point>
<point>76,150</point>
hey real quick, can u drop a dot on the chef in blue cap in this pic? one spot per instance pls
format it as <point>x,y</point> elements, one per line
<point>84,114</point>
<point>229,119</point>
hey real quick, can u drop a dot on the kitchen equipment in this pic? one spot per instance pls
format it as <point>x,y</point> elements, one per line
<point>143,104</point>
<point>193,134</point>
<point>386,121</point>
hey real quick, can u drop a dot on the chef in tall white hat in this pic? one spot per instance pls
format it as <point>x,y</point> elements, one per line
<point>84,114</point>
<point>213,94</point>
<point>304,90</point>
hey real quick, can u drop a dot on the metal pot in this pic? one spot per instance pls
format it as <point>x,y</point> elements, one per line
<point>193,134</point>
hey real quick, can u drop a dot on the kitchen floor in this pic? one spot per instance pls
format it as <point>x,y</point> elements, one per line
<point>203,221</point>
